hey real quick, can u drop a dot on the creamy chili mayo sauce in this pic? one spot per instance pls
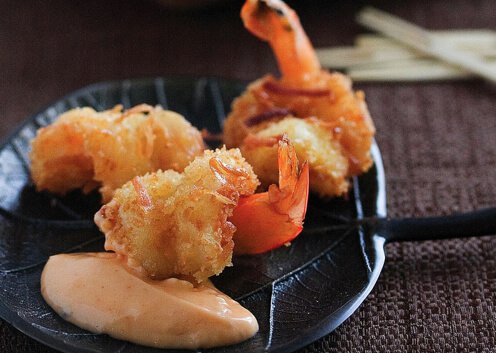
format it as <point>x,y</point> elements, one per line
<point>97,292</point>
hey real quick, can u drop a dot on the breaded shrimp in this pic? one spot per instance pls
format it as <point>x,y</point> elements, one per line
<point>324,155</point>
<point>171,224</point>
<point>88,149</point>
<point>303,91</point>
<point>268,220</point>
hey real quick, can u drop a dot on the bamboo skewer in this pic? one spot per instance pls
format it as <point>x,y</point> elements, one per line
<point>480,42</point>
<point>371,49</point>
<point>409,70</point>
<point>421,40</point>
<point>378,58</point>
<point>347,57</point>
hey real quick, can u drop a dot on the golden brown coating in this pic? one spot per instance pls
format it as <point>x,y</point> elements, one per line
<point>86,149</point>
<point>313,142</point>
<point>304,91</point>
<point>172,224</point>
<point>343,111</point>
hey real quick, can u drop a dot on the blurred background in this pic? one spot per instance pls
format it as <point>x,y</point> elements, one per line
<point>85,41</point>
<point>49,48</point>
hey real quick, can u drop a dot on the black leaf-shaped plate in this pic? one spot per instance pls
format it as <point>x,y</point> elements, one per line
<point>298,293</point>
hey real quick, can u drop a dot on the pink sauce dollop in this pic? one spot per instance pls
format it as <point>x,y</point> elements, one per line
<point>96,291</point>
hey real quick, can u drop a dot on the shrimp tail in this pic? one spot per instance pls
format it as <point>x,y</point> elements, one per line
<point>275,22</point>
<point>265,221</point>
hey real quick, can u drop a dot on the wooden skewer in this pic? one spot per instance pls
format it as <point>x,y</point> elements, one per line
<point>345,57</point>
<point>371,48</point>
<point>350,57</point>
<point>421,40</point>
<point>408,70</point>
<point>476,40</point>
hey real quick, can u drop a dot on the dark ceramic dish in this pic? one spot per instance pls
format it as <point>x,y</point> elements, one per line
<point>298,293</point>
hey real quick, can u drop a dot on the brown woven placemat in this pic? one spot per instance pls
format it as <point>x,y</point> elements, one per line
<point>439,148</point>
<point>437,139</point>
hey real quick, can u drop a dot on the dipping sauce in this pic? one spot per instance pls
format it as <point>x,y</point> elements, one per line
<point>96,291</point>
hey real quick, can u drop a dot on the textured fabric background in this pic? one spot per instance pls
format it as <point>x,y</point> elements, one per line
<point>437,139</point>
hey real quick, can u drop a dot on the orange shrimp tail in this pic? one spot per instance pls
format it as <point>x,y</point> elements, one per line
<point>275,22</point>
<point>268,220</point>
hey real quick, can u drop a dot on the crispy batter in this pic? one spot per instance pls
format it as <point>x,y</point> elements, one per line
<point>350,129</point>
<point>172,224</point>
<point>304,91</point>
<point>88,149</point>
<point>313,143</point>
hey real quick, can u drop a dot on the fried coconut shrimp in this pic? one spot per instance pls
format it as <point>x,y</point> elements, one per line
<point>339,119</point>
<point>328,165</point>
<point>89,149</point>
<point>270,219</point>
<point>173,224</point>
